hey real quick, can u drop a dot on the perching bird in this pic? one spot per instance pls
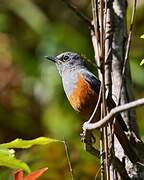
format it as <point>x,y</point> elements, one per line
<point>81,86</point>
<point>82,89</point>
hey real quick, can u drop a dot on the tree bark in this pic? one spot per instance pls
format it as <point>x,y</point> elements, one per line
<point>115,48</point>
<point>118,54</point>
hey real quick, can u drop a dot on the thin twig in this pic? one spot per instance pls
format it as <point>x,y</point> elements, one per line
<point>111,143</point>
<point>68,159</point>
<point>97,45</point>
<point>113,112</point>
<point>102,157</point>
<point>106,147</point>
<point>95,19</point>
<point>102,45</point>
<point>85,19</point>
<point>127,49</point>
<point>104,104</point>
<point>97,173</point>
<point>96,107</point>
<point>107,74</point>
<point>108,45</point>
<point>118,165</point>
<point>102,78</point>
<point>96,33</point>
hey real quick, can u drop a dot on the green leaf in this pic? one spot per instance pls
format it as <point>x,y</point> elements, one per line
<point>142,62</point>
<point>5,151</point>
<point>20,143</point>
<point>142,36</point>
<point>11,162</point>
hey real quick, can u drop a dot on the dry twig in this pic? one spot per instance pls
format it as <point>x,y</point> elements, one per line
<point>113,112</point>
<point>85,19</point>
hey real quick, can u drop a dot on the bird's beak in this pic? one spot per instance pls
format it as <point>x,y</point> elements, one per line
<point>51,58</point>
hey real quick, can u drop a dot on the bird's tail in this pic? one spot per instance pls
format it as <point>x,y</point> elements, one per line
<point>119,128</point>
<point>112,104</point>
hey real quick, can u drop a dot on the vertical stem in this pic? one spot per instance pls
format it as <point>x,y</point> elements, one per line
<point>68,159</point>
<point>107,70</point>
<point>102,56</point>
<point>106,153</point>
<point>127,50</point>
<point>101,154</point>
<point>96,33</point>
<point>98,38</point>
<point>111,147</point>
<point>101,31</point>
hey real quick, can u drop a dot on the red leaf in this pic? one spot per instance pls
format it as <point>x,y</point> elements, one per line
<point>18,175</point>
<point>34,175</point>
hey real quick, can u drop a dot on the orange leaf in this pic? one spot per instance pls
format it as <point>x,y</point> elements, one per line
<point>18,175</point>
<point>34,175</point>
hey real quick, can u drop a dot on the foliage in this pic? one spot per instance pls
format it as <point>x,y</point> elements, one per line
<point>7,155</point>
<point>142,62</point>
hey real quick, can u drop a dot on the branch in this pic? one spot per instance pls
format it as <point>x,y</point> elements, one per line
<point>108,38</point>
<point>127,49</point>
<point>85,19</point>
<point>96,107</point>
<point>113,112</point>
<point>95,19</point>
<point>96,33</point>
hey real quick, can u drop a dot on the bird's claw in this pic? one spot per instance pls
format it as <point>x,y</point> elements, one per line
<point>87,137</point>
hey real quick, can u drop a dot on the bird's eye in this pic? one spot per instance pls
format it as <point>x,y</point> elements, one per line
<point>76,57</point>
<point>65,58</point>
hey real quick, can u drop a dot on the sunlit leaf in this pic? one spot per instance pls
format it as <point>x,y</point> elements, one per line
<point>5,151</point>
<point>142,36</point>
<point>20,143</point>
<point>11,162</point>
<point>34,175</point>
<point>142,62</point>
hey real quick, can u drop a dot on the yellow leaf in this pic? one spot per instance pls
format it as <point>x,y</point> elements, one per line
<point>142,36</point>
<point>142,62</point>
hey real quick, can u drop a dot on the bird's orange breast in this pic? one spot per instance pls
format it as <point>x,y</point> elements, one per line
<point>83,98</point>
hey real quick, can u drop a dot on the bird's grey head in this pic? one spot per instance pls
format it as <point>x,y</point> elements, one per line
<point>67,61</point>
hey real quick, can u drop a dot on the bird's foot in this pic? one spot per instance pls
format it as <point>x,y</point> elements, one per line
<point>88,137</point>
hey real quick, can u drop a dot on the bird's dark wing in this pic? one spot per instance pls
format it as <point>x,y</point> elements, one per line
<point>111,104</point>
<point>95,84</point>
<point>119,126</point>
<point>92,80</point>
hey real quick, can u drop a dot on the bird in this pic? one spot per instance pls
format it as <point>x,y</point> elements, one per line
<point>81,86</point>
<point>82,89</point>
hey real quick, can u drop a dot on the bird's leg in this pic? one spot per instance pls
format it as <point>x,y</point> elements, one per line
<point>88,139</point>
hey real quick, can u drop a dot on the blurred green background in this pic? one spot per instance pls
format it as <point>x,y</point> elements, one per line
<point>32,100</point>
